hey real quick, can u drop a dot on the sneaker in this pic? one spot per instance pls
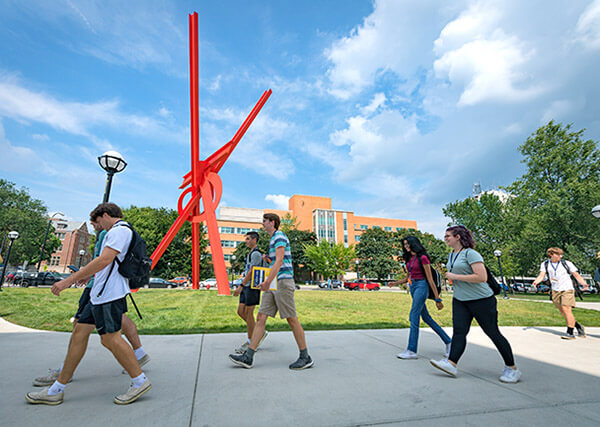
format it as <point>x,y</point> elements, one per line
<point>447,351</point>
<point>141,362</point>
<point>445,365</point>
<point>510,375</point>
<point>302,363</point>
<point>42,396</point>
<point>407,354</point>
<point>568,336</point>
<point>262,339</point>
<point>48,379</point>
<point>133,394</point>
<point>242,360</point>
<point>581,331</point>
<point>242,349</point>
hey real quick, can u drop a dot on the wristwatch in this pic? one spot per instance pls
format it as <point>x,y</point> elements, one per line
<point>438,300</point>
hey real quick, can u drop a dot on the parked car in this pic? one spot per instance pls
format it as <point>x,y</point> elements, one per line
<point>590,289</point>
<point>208,283</point>
<point>157,282</point>
<point>45,278</point>
<point>334,284</point>
<point>235,284</point>
<point>178,281</point>
<point>362,284</point>
<point>518,287</point>
<point>542,288</point>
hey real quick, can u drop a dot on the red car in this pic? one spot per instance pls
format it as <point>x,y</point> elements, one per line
<point>362,284</point>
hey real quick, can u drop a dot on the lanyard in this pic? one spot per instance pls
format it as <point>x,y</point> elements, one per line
<point>453,259</point>
<point>554,268</point>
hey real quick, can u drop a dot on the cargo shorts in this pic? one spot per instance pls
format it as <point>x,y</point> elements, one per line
<point>560,298</point>
<point>281,300</point>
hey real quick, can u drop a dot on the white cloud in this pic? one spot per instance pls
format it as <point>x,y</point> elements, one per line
<point>40,137</point>
<point>588,26</point>
<point>280,201</point>
<point>19,159</point>
<point>378,100</point>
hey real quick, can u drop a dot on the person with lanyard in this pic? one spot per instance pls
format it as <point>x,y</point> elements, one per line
<point>559,274</point>
<point>473,298</point>
<point>128,327</point>
<point>419,271</point>
<point>249,298</point>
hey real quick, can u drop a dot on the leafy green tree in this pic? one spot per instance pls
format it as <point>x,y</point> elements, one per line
<point>436,248</point>
<point>153,224</point>
<point>330,260</point>
<point>375,252</point>
<point>27,216</point>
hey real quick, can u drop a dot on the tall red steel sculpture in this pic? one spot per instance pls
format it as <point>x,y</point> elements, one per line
<point>203,181</point>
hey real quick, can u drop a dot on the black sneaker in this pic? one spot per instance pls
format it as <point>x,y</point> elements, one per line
<point>581,331</point>
<point>568,336</point>
<point>302,363</point>
<point>242,360</point>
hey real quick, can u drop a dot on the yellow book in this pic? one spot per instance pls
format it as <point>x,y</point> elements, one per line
<point>259,275</point>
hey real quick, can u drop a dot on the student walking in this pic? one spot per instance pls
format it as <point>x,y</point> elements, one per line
<point>473,298</point>
<point>104,311</point>
<point>419,271</point>
<point>281,300</point>
<point>559,273</point>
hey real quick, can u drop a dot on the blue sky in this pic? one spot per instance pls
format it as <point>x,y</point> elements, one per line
<point>392,108</point>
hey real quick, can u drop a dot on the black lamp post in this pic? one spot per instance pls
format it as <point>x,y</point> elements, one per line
<point>112,162</point>
<point>12,236</point>
<point>498,254</point>
<point>46,237</point>
<point>81,254</point>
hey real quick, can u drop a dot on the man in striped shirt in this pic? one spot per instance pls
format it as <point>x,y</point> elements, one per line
<point>281,300</point>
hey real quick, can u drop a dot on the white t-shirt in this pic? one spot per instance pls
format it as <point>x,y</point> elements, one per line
<point>117,286</point>
<point>559,276</point>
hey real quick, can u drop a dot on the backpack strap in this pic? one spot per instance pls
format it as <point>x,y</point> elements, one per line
<point>566,266</point>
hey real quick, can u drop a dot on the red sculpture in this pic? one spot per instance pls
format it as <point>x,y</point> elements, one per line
<point>204,182</point>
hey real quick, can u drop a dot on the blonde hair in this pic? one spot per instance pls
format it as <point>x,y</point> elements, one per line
<point>554,251</point>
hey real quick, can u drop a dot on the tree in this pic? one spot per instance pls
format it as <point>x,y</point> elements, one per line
<point>28,216</point>
<point>376,251</point>
<point>436,248</point>
<point>329,259</point>
<point>153,224</point>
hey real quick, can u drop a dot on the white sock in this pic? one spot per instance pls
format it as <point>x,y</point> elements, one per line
<point>56,388</point>
<point>249,340</point>
<point>139,353</point>
<point>62,365</point>
<point>139,380</point>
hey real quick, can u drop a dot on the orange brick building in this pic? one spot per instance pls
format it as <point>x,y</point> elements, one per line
<point>312,213</point>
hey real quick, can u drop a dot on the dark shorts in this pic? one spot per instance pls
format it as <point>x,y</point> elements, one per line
<point>83,300</point>
<point>107,317</point>
<point>249,296</point>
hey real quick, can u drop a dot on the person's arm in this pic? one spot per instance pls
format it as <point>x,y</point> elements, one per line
<point>438,301</point>
<point>279,253</point>
<point>479,274</point>
<point>538,279</point>
<point>578,277</point>
<point>398,282</point>
<point>106,257</point>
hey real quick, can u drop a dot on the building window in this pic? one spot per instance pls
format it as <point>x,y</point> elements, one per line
<point>228,243</point>
<point>364,227</point>
<point>345,239</point>
<point>345,224</point>
<point>227,230</point>
<point>357,238</point>
<point>399,228</point>
<point>388,228</point>
<point>227,257</point>
<point>60,235</point>
<point>376,227</point>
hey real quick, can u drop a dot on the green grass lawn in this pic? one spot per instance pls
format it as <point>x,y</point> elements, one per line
<point>179,311</point>
<point>545,297</point>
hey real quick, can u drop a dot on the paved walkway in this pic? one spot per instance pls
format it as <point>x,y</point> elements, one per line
<point>356,381</point>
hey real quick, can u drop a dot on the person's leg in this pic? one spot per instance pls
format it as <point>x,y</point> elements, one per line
<point>434,325</point>
<point>461,324</point>
<point>241,311</point>
<point>130,331</point>
<point>250,322</point>
<point>122,351</point>
<point>486,314</point>
<point>259,330</point>
<point>419,294</point>
<point>298,332</point>
<point>567,313</point>
<point>77,347</point>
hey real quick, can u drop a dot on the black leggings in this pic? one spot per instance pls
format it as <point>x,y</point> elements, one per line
<point>486,313</point>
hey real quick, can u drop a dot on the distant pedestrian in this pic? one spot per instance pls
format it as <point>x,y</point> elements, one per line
<point>421,280</point>
<point>104,311</point>
<point>249,298</point>
<point>281,300</point>
<point>473,298</point>
<point>559,273</point>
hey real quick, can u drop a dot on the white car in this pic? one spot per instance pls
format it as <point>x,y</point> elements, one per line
<point>208,283</point>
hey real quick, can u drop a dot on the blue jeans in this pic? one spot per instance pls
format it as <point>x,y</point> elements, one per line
<point>419,290</point>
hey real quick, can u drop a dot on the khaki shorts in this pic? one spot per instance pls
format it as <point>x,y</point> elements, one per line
<point>561,298</point>
<point>282,299</point>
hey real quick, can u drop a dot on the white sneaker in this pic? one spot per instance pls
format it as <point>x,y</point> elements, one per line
<point>510,375</point>
<point>445,365</point>
<point>447,352</point>
<point>407,354</point>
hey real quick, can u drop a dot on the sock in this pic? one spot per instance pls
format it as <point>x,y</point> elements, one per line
<point>139,380</point>
<point>248,340</point>
<point>570,331</point>
<point>62,365</point>
<point>139,353</point>
<point>304,353</point>
<point>250,353</point>
<point>577,325</point>
<point>56,388</point>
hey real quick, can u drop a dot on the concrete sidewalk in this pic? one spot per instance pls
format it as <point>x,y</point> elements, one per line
<point>356,380</point>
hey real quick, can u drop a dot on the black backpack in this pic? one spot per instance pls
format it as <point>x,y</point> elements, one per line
<point>135,265</point>
<point>437,279</point>
<point>575,284</point>
<point>492,282</point>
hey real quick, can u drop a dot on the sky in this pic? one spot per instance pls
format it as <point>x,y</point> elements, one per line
<point>392,108</point>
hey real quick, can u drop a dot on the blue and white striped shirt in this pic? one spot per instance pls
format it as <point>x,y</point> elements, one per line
<point>279,239</point>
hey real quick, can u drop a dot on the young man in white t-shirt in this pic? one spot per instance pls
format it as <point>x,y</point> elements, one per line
<point>563,292</point>
<point>104,311</point>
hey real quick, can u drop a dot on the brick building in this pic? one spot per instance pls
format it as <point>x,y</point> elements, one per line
<point>74,237</point>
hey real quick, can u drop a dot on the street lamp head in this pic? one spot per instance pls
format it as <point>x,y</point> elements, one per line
<point>82,252</point>
<point>596,211</point>
<point>13,235</point>
<point>356,262</point>
<point>497,253</point>
<point>112,162</point>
